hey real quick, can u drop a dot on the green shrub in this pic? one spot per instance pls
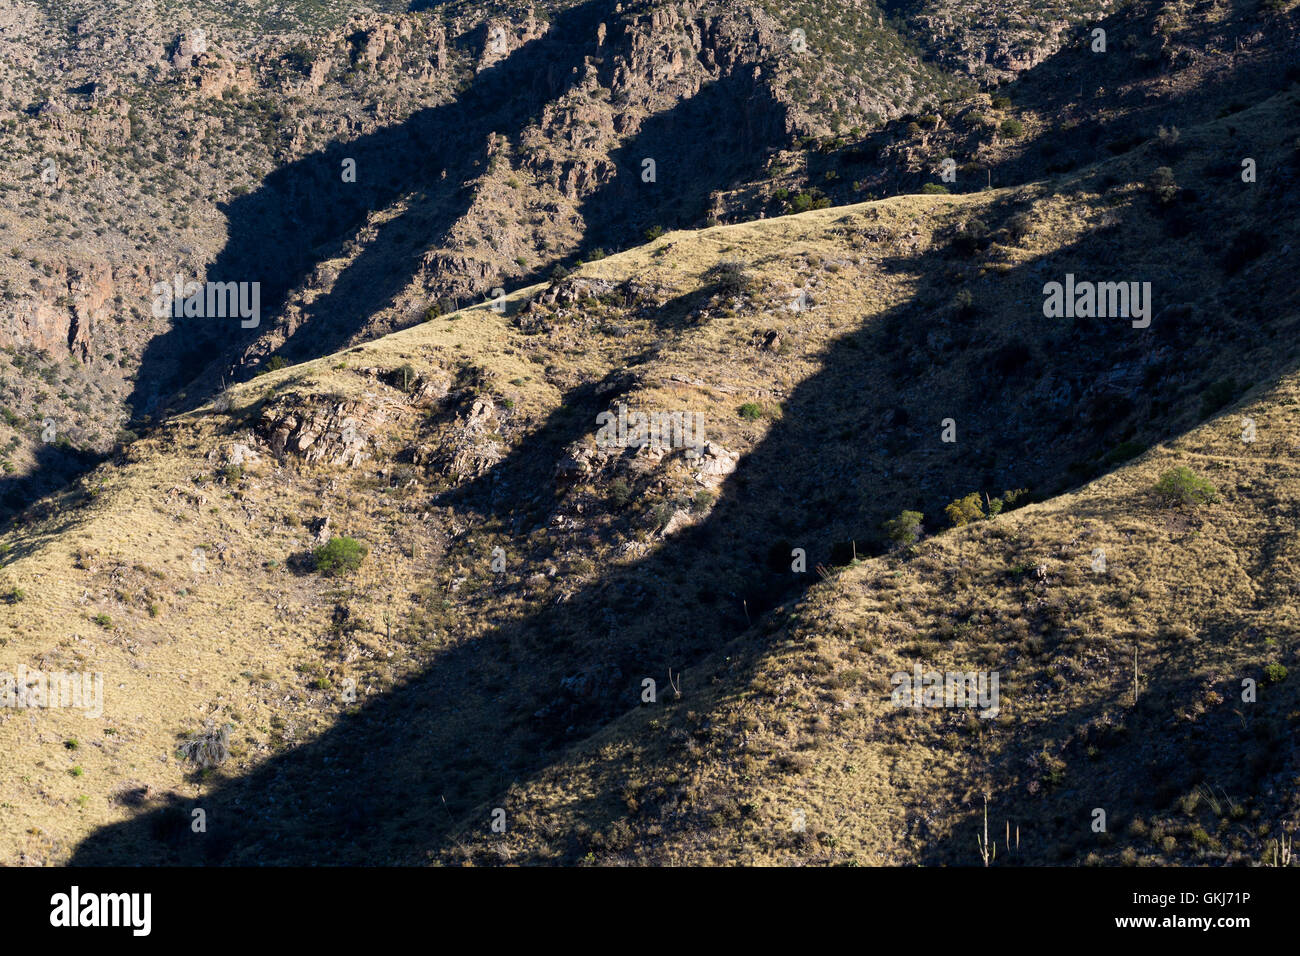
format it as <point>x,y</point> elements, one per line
<point>13,595</point>
<point>1008,498</point>
<point>1182,488</point>
<point>751,411</point>
<point>1275,673</point>
<point>905,530</point>
<point>1012,128</point>
<point>934,189</point>
<point>340,556</point>
<point>963,511</point>
<point>620,492</point>
<point>103,620</point>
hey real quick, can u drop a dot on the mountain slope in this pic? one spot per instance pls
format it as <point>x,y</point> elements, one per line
<point>824,352</point>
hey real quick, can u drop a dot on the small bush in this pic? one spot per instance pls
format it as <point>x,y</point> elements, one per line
<point>1162,185</point>
<point>211,748</point>
<point>1274,673</point>
<point>730,277</point>
<point>620,492</point>
<point>1182,488</point>
<point>340,556</point>
<point>905,530</point>
<point>934,189</point>
<point>963,511</point>
<point>103,620</point>
<point>751,411</point>
<point>1012,128</point>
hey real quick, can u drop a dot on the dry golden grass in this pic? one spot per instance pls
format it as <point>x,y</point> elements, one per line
<point>793,716</point>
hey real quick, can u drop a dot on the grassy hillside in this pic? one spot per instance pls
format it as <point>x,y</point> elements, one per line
<point>382,715</point>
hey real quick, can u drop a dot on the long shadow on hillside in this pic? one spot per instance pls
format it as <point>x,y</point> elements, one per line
<point>1139,762</point>
<point>858,441</point>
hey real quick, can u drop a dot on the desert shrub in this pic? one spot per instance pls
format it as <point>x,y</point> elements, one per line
<point>811,199</point>
<point>731,277</point>
<point>103,620</point>
<point>934,188</point>
<point>1012,127</point>
<point>905,530</point>
<point>963,511</point>
<point>1275,673</point>
<point>751,411</point>
<point>1019,226</point>
<point>211,748</point>
<point>341,555</point>
<point>620,492</point>
<point>442,307</point>
<point>13,595</point>
<point>1008,498</point>
<point>963,304</point>
<point>1182,488</point>
<point>1162,185</point>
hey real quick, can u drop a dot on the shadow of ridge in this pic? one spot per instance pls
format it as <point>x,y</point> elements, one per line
<point>483,714</point>
<point>1129,762</point>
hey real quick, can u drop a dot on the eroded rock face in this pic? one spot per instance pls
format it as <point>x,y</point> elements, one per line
<point>189,47</point>
<point>337,434</point>
<point>717,463</point>
<point>472,446</point>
